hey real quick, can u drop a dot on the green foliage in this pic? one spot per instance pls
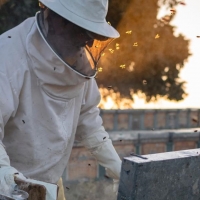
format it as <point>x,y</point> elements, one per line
<point>152,65</point>
<point>14,12</point>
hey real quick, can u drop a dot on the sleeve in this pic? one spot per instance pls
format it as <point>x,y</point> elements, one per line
<point>92,134</point>
<point>7,108</point>
<point>8,102</point>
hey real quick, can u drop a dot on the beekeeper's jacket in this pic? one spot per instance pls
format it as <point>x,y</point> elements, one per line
<point>43,105</point>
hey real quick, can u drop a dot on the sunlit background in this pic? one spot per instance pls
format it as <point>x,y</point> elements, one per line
<point>143,132</point>
<point>187,23</point>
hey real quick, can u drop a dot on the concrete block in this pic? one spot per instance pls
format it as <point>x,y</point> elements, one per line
<point>163,176</point>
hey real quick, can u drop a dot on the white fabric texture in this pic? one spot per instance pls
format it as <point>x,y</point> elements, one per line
<point>87,14</point>
<point>4,159</point>
<point>43,105</point>
<point>7,182</point>
<point>102,149</point>
<point>115,186</point>
<point>7,173</point>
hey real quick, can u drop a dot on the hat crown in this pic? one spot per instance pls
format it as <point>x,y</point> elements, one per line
<point>92,10</point>
<point>88,14</point>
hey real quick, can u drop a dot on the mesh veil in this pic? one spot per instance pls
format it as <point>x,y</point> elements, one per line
<point>78,48</point>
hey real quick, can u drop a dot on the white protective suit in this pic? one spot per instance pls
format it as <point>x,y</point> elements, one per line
<point>43,105</point>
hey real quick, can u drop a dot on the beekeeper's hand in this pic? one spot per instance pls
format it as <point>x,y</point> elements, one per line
<point>115,186</point>
<point>102,149</point>
<point>8,173</point>
<point>108,157</point>
<point>115,180</point>
<point>7,183</point>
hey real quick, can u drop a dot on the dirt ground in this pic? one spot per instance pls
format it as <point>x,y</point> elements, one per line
<point>90,190</point>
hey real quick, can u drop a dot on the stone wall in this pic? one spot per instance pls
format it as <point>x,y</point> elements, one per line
<point>82,166</point>
<point>147,119</point>
<point>144,131</point>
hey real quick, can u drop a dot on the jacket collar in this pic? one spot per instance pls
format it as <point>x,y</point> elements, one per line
<point>53,75</point>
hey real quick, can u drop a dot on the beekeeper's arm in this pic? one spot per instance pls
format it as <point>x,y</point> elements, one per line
<point>93,135</point>
<point>8,105</point>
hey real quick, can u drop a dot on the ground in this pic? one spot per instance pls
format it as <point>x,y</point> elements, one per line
<point>90,190</point>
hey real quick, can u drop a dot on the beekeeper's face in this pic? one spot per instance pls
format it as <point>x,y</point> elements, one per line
<point>77,47</point>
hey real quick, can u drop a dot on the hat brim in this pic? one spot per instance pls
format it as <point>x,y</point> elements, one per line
<point>101,28</point>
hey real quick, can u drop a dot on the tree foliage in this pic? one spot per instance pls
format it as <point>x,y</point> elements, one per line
<point>147,57</point>
<point>137,61</point>
<point>13,12</point>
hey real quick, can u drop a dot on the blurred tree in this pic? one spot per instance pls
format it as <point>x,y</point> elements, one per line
<point>147,57</point>
<point>3,2</point>
<point>13,12</point>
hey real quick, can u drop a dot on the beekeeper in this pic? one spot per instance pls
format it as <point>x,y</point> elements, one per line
<point>48,94</point>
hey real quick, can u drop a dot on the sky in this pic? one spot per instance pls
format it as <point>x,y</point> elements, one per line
<point>187,22</point>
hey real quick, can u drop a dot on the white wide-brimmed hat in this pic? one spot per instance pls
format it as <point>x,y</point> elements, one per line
<point>88,14</point>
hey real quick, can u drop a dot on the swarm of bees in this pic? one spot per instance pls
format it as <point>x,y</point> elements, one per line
<point>122,66</point>
<point>135,44</point>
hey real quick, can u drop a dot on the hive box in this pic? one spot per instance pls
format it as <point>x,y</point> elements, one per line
<point>163,176</point>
